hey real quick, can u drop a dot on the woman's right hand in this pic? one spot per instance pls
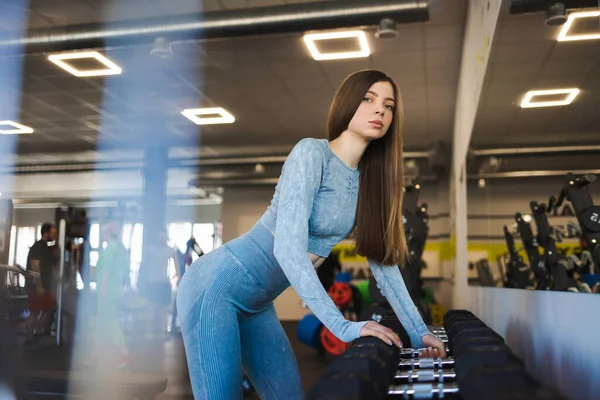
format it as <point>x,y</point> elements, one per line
<point>372,328</point>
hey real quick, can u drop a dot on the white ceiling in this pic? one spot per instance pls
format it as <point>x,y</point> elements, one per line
<point>276,91</point>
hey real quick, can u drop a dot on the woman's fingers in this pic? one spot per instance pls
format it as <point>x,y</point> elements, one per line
<point>388,336</point>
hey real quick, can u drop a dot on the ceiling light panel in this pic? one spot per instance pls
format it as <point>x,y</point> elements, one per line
<point>534,98</point>
<point>106,67</point>
<point>362,50</point>
<point>208,116</point>
<point>13,128</point>
<point>564,35</point>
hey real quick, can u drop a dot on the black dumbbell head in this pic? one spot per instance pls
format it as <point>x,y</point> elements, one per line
<point>462,325</point>
<point>478,356</point>
<point>341,386</point>
<point>388,359</point>
<point>454,313</point>
<point>494,382</point>
<point>371,365</point>
<point>459,347</point>
<point>449,321</point>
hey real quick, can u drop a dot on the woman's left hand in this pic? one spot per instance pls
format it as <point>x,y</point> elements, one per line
<point>434,347</point>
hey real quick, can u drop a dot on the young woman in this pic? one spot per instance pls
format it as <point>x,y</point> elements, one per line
<point>225,300</point>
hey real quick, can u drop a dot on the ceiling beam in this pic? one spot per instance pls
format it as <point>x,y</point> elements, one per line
<point>528,6</point>
<point>220,24</point>
<point>531,174</point>
<point>520,151</point>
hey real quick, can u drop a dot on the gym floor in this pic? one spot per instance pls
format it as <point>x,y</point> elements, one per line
<point>169,356</point>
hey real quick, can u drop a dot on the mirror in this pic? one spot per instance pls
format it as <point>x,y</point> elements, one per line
<point>533,165</point>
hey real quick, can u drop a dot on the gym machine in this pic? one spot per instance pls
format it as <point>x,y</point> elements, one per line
<point>588,214</point>
<point>538,266</point>
<point>555,266</point>
<point>552,270</point>
<point>518,274</point>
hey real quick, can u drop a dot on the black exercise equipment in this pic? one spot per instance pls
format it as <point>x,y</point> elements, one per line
<point>518,273</point>
<point>375,312</point>
<point>536,261</point>
<point>559,278</point>
<point>588,214</point>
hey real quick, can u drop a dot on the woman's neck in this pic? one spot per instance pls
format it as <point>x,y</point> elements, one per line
<point>349,148</point>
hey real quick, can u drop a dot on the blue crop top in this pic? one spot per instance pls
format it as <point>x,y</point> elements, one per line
<point>313,209</point>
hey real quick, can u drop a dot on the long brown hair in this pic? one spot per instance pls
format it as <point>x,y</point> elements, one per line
<point>379,233</point>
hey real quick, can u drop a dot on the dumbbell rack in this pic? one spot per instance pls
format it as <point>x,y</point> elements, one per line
<point>480,366</point>
<point>419,377</point>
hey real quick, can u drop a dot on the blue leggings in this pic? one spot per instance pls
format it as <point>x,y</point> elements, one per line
<point>228,322</point>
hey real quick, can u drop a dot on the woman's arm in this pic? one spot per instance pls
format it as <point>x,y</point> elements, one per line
<point>298,185</point>
<point>392,286</point>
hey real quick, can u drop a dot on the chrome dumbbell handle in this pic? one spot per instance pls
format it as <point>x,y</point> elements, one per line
<point>415,363</point>
<point>425,375</point>
<point>423,390</point>
<point>412,353</point>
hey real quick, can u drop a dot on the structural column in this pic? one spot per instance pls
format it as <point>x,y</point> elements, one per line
<point>154,197</point>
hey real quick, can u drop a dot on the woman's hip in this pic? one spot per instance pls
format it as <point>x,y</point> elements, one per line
<point>218,281</point>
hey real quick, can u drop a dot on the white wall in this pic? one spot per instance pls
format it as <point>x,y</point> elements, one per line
<point>242,207</point>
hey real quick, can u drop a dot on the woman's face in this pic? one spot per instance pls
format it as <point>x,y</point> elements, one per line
<point>375,113</point>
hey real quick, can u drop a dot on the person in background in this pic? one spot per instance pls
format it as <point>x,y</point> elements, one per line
<point>155,284</point>
<point>40,297</point>
<point>112,276</point>
<point>183,261</point>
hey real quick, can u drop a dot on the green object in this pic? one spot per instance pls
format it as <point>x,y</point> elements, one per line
<point>363,288</point>
<point>428,295</point>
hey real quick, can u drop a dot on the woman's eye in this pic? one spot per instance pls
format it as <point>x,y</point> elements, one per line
<point>366,99</point>
<point>390,107</point>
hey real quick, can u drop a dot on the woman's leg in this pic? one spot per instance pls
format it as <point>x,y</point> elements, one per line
<point>268,357</point>
<point>211,336</point>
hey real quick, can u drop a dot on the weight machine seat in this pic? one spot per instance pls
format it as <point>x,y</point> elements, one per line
<point>129,384</point>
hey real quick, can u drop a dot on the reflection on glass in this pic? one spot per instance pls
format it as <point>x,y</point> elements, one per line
<point>549,242</point>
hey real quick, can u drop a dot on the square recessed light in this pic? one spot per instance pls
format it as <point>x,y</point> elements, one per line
<point>110,67</point>
<point>564,36</point>
<point>208,116</point>
<point>18,129</point>
<point>361,38</point>
<point>570,95</point>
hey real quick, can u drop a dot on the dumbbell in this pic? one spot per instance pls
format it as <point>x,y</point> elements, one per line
<point>424,375</point>
<point>463,325</point>
<point>394,324</point>
<point>355,385</point>
<point>423,390</point>
<point>448,322</point>
<point>472,337</point>
<point>364,371</point>
<point>503,382</point>
<point>426,363</point>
